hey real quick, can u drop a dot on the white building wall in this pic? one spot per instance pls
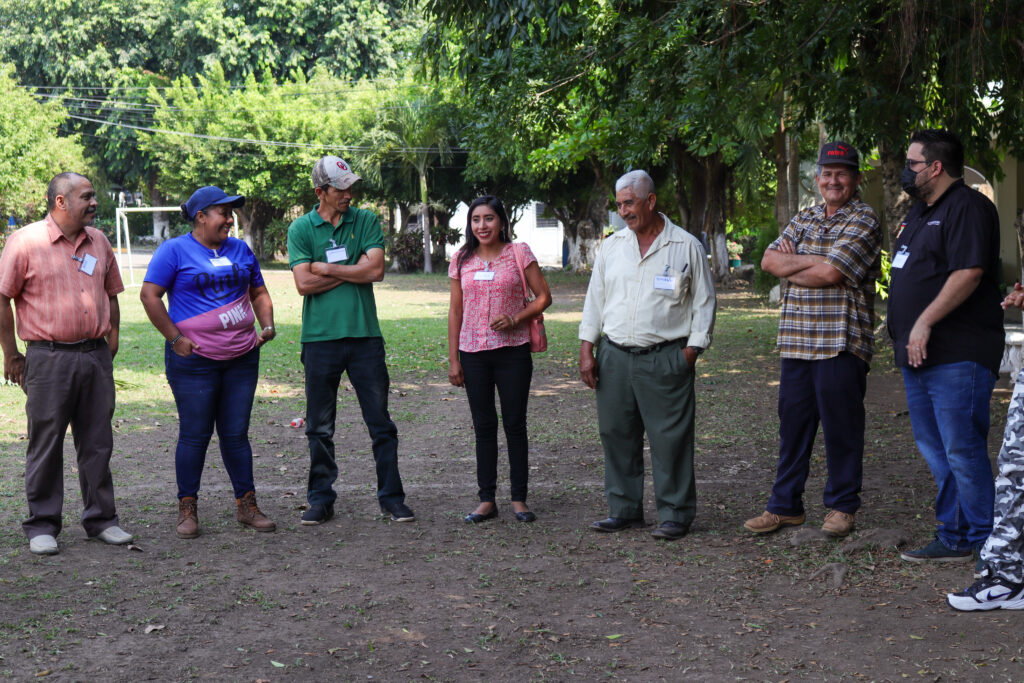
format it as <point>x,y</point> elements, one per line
<point>545,242</point>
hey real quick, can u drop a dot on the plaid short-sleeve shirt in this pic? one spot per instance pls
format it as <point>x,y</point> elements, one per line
<point>821,322</point>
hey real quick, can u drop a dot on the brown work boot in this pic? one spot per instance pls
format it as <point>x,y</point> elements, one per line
<point>188,518</point>
<point>838,523</point>
<point>768,522</point>
<point>249,514</point>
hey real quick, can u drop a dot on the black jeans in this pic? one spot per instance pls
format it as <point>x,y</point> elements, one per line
<point>510,369</point>
<point>363,359</point>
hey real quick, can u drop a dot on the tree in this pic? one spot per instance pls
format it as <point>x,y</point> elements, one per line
<point>215,124</point>
<point>31,149</point>
<point>415,129</point>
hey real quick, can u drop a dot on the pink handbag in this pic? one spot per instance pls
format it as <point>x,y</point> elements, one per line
<point>538,336</point>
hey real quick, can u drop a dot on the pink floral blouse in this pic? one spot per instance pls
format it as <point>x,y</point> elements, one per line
<point>485,300</point>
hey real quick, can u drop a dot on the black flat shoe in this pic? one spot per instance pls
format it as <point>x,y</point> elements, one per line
<point>526,516</point>
<point>671,531</point>
<point>613,524</point>
<point>476,517</point>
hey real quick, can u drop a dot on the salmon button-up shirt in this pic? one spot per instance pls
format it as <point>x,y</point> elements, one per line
<point>55,299</point>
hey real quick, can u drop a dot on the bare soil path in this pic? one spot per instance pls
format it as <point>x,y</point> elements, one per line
<point>360,598</point>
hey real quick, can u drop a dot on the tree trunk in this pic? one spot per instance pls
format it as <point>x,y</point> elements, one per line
<point>897,202</point>
<point>781,159</point>
<point>161,221</point>
<point>716,177</point>
<point>254,217</point>
<point>425,222</point>
<point>584,223</point>
<point>793,180</point>
<point>679,170</point>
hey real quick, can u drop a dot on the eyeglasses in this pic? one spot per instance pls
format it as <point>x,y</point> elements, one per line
<point>911,163</point>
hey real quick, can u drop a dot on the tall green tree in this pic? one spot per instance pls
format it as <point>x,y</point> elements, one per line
<point>32,150</point>
<point>217,126</point>
<point>418,131</point>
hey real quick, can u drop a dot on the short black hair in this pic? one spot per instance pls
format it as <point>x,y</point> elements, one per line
<point>61,185</point>
<point>944,146</point>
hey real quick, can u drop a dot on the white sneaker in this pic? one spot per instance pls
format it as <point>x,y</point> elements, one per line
<point>115,535</point>
<point>43,545</point>
<point>991,592</point>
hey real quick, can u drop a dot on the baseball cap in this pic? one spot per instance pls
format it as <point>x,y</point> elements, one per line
<point>208,196</point>
<point>334,171</point>
<point>839,152</point>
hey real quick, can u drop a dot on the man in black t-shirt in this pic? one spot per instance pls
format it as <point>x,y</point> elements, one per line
<point>947,330</point>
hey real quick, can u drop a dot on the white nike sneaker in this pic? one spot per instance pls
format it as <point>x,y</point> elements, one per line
<point>991,592</point>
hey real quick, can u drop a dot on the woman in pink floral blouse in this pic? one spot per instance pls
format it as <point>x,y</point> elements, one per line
<point>489,346</point>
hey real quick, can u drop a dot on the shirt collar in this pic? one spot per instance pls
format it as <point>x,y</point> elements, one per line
<point>318,220</point>
<point>54,233</point>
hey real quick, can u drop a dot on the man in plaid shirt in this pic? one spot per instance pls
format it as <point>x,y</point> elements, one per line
<point>830,255</point>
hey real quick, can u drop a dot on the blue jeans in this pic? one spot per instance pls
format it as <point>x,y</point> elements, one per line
<point>208,393</point>
<point>363,359</point>
<point>949,411</point>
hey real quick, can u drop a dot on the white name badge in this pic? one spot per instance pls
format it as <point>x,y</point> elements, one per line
<point>487,275</point>
<point>88,264</point>
<point>220,261</point>
<point>664,282</point>
<point>337,254</point>
<point>900,258</point>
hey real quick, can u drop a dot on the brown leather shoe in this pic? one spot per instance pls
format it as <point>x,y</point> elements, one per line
<point>188,518</point>
<point>838,523</point>
<point>768,522</point>
<point>249,514</point>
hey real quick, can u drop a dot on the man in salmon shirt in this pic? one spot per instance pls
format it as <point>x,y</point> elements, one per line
<point>61,275</point>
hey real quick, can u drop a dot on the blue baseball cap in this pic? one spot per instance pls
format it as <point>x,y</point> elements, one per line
<point>208,196</point>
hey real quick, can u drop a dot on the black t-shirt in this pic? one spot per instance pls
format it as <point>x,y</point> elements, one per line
<point>960,230</point>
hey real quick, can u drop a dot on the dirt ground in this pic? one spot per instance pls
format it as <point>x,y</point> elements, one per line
<point>360,598</point>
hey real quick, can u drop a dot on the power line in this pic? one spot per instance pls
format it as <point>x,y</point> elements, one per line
<point>249,141</point>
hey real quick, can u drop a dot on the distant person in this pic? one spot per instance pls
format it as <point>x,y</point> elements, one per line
<point>947,330</point>
<point>336,253</point>
<point>650,310</point>
<point>61,274</point>
<point>212,354</point>
<point>1000,583</point>
<point>489,346</point>
<point>830,253</point>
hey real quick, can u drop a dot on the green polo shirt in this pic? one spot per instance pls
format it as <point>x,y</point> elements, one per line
<point>348,310</point>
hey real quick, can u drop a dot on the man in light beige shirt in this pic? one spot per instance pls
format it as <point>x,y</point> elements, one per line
<point>650,311</point>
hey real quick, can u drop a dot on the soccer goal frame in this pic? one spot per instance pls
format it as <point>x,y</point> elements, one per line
<point>122,227</point>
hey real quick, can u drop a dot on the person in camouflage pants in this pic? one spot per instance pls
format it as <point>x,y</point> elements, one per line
<point>1000,583</point>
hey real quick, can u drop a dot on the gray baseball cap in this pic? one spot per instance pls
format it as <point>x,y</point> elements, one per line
<point>334,171</point>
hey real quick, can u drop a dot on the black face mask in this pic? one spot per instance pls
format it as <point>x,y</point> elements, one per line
<point>908,181</point>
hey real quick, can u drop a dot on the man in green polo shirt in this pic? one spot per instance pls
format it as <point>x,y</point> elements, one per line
<point>336,253</point>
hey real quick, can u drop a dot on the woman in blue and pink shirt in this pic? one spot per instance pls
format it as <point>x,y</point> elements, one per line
<point>216,294</point>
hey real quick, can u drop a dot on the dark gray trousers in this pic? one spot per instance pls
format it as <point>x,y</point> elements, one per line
<point>76,388</point>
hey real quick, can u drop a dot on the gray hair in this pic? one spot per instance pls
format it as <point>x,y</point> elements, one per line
<point>638,181</point>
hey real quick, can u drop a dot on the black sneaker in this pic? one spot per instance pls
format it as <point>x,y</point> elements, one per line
<point>992,592</point>
<point>936,551</point>
<point>317,513</point>
<point>399,512</point>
